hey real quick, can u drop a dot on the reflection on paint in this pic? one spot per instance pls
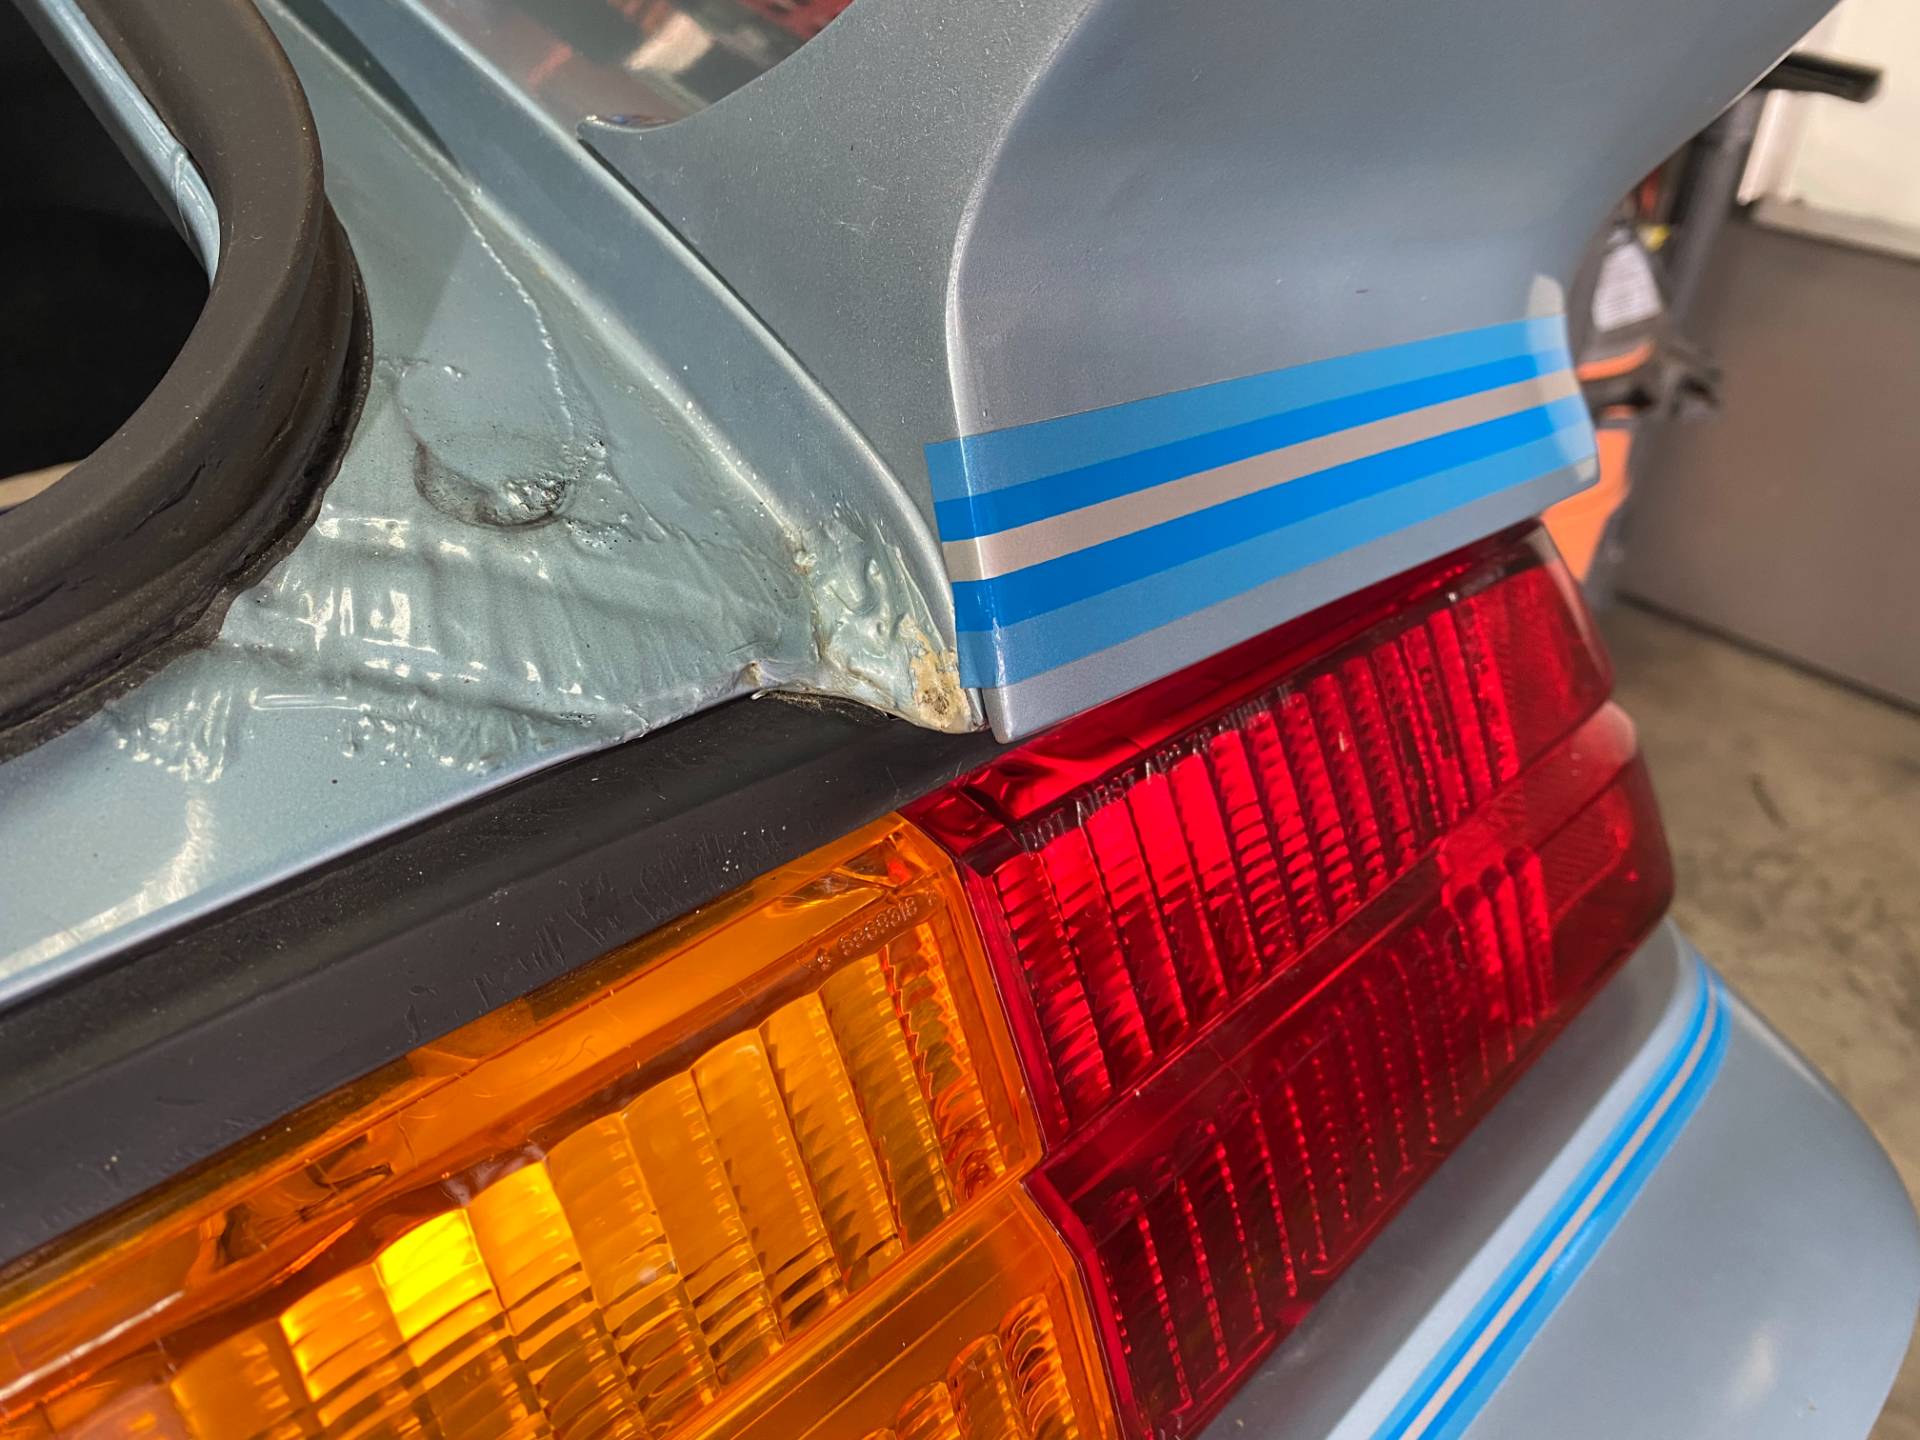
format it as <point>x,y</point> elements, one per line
<point>179,875</point>
<point>584,564</point>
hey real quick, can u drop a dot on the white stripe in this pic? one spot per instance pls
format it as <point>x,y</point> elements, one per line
<point>1565,1236</point>
<point>986,556</point>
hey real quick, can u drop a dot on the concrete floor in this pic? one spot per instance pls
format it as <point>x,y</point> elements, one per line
<point>1793,805</point>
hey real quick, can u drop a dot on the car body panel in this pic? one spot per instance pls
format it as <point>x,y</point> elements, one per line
<point>535,547</point>
<point>1052,210</point>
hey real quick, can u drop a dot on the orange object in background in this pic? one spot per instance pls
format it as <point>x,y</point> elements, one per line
<point>756,1175</point>
<point>1579,523</point>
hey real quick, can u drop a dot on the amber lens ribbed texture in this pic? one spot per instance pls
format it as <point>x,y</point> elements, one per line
<point>648,1203</point>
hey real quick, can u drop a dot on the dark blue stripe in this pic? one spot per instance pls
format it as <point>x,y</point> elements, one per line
<point>1018,652</point>
<point>1015,454</point>
<point>1041,499</point>
<point>1021,594</point>
<point>1498,1360</point>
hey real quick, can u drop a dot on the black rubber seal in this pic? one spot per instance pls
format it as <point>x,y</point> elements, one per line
<point>146,1065</point>
<point>136,552</point>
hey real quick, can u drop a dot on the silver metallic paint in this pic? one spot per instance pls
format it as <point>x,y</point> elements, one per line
<point>967,217</point>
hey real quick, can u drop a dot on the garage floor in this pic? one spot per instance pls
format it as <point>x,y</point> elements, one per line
<point>1794,810</point>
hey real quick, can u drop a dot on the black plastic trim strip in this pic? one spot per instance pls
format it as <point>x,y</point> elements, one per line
<point>105,575</point>
<point>153,1062</point>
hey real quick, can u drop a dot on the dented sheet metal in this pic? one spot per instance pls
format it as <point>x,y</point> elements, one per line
<point>535,546</point>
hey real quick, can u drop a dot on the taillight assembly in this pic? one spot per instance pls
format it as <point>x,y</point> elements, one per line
<point>753,1176</point>
<point>1272,935</point>
<point>902,1140</point>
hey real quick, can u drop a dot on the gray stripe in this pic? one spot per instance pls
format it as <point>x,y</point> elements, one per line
<point>1044,699</point>
<point>986,556</point>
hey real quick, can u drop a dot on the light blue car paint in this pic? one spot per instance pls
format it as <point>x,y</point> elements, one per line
<point>863,381</point>
<point>731,339</point>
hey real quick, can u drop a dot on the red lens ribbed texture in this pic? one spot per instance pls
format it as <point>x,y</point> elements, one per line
<point>1372,873</point>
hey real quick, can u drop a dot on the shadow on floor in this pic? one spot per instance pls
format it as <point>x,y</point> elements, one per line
<point>1793,805</point>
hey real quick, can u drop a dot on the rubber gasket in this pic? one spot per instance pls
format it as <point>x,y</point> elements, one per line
<point>136,552</point>
<point>148,1064</point>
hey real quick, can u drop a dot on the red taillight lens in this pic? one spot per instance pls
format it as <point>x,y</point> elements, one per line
<point>1274,932</point>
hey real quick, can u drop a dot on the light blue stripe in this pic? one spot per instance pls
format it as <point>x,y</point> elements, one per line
<point>977,464</point>
<point>1005,600</point>
<point>1015,652</point>
<point>1499,1358</point>
<point>1069,490</point>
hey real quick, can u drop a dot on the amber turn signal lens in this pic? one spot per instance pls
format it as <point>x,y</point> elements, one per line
<point>755,1175</point>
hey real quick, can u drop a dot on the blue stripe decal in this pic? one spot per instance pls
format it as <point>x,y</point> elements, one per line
<point>1457,1383</point>
<point>1014,652</point>
<point>995,459</point>
<point>1022,594</point>
<point>1056,494</point>
<point>1058,604</point>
